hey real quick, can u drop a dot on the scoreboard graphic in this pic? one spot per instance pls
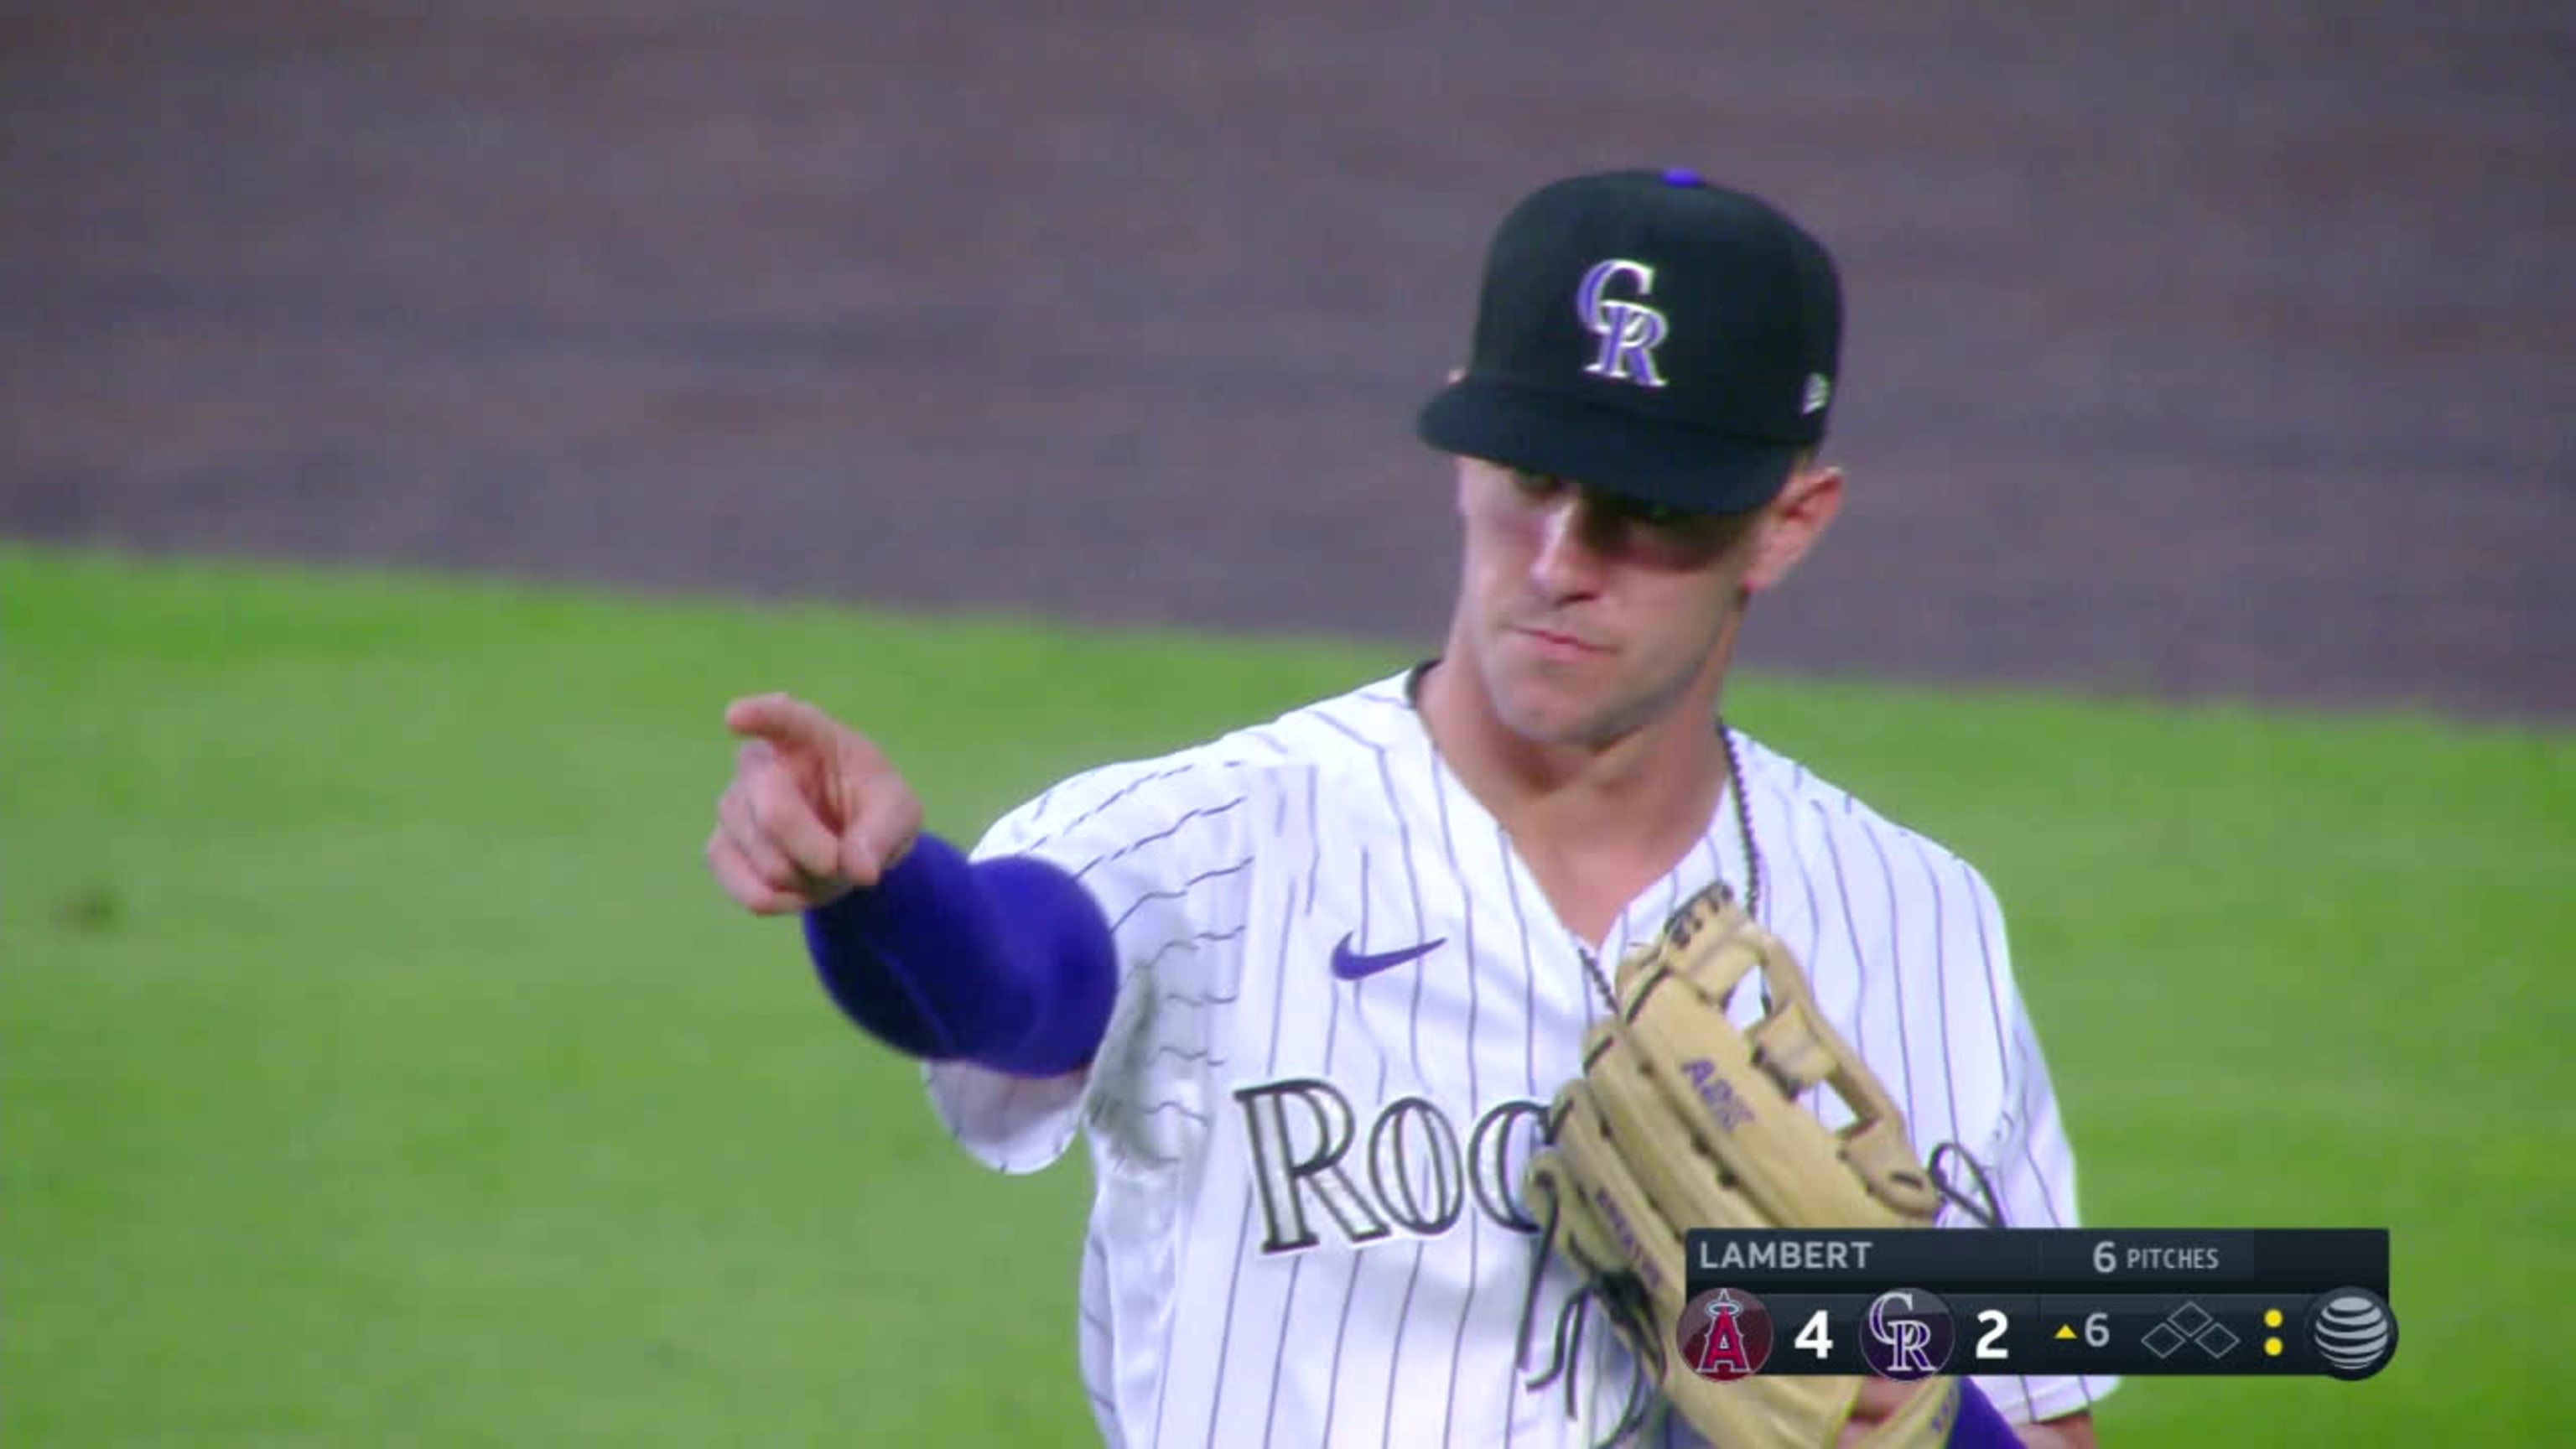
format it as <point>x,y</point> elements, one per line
<point>1911,1303</point>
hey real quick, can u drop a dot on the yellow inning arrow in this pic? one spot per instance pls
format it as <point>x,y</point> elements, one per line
<point>2066,1330</point>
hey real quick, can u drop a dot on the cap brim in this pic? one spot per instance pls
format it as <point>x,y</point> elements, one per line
<point>1649,459</point>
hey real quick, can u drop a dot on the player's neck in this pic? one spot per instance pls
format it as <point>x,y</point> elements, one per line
<point>1630,806</point>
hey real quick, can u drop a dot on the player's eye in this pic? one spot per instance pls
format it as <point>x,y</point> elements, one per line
<point>1658,517</point>
<point>1536,487</point>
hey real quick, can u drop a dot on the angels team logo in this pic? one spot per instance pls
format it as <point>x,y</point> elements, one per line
<point>1629,329</point>
<point>1724,1334</point>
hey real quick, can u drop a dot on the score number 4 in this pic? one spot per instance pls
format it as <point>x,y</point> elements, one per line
<point>1818,1339</point>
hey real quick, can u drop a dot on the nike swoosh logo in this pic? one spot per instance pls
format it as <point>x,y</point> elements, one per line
<point>1353,965</point>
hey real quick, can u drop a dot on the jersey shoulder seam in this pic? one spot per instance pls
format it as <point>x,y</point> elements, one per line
<point>1283,747</point>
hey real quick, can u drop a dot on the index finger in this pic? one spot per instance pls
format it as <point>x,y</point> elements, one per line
<point>783,720</point>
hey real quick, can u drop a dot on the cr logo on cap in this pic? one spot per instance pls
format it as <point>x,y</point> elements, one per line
<point>1629,330</point>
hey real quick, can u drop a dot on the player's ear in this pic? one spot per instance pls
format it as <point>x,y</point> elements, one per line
<point>1797,518</point>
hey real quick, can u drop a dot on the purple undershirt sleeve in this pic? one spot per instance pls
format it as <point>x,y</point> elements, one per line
<point>1005,962</point>
<point>1980,1424</point>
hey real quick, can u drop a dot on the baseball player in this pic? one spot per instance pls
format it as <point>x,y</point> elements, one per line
<point>1306,989</point>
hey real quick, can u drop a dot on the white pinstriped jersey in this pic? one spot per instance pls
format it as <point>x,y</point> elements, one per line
<point>1307,1129</point>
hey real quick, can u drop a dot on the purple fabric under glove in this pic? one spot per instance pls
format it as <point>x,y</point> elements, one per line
<point>1980,1424</point>
<point>1007,962</point>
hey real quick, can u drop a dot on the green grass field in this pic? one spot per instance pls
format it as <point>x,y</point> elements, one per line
<point>380,1067</point>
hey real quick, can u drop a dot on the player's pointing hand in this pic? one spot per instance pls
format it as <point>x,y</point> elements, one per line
<point>814,809</point>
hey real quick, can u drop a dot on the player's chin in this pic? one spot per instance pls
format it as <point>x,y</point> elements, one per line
<point>1548,711</point>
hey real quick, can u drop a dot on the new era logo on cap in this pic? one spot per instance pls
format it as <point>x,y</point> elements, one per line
<point>1650,334</point>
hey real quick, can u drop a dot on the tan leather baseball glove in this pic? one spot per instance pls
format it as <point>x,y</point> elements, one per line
<point>1682,1121</point>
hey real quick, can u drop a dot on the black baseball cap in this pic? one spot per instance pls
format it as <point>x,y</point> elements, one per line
<point>1650,334</point>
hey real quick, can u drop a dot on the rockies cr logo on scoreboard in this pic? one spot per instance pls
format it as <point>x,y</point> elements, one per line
<point>1909,1335</point>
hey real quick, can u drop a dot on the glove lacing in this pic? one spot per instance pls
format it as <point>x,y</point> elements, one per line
<point>1631,1313</point>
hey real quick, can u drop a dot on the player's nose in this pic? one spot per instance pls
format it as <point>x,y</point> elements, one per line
<point>1575,545</point>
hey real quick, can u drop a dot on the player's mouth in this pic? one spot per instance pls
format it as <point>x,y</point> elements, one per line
<point>1556,644</point>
